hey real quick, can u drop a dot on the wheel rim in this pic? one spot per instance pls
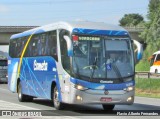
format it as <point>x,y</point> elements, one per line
<point>19,92</point>
<point>56,102</point>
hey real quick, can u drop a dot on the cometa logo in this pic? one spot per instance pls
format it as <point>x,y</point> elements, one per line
<point>101,81</point>
<point>43,66</point>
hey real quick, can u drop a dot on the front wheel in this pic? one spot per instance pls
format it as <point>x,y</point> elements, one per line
<point>108,107</point>
<point>57,104</point>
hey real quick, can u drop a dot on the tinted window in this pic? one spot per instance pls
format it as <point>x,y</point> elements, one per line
<point>64,51</point>
<point>16,47</point>
<point>3,62</point>
<point>158,57</point>
<point>44,44</point>
<point>152,60</point>
<point>51,48</point>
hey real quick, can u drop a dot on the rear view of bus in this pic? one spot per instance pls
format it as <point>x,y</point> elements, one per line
<point>3,71</point>
<point>90,63</point>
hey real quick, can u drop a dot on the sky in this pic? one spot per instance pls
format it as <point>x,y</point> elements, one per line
<point>42,12</point>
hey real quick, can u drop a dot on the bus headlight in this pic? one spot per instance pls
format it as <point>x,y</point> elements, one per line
<point>129,99</point>
<point>79,87</point>
<point>130,88</point>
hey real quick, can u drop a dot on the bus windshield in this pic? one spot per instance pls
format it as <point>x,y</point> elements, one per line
<point>103,58</point>
<point>3,62</point>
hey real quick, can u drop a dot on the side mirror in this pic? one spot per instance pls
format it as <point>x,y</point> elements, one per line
<point>69,45</point>
<point>139,49</point>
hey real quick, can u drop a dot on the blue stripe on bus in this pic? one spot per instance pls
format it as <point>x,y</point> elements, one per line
<point>26,33</point>
<point>35,82</point>
<point>102,86</point>
<point>100,32</point>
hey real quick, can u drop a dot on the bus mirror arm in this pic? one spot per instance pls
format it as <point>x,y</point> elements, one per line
<point>69,45</point>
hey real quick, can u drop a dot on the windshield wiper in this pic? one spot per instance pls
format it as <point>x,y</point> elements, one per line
<point>115,68</point>
<point>77,73</point>
<point>93,67</point>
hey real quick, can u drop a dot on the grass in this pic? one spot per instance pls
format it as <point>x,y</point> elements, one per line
<point>143,65</point>
<point>148,87</point>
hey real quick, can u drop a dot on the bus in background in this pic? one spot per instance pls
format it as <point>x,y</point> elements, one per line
<point>155,62</point>
<point>3,67</point>
<point>74,63</point>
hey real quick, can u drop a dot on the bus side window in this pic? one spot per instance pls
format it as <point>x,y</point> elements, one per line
<point>158,57</point>
<point>64,52</point>
<point>52,44</point>
<point>40,45</point>
<point>152,59</point>
<point>12,48</point>
<point>19,47</point>
<point>34,49</point>
<point>16,47</point>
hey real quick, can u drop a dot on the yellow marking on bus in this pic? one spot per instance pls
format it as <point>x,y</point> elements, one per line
<point>20,63</point>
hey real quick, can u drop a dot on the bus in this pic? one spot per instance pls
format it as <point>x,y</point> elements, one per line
<point>69,62</point>
<point>155,62</point>
<point>3,67</point>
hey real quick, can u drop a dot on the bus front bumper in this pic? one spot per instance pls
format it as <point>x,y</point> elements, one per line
<point>102,96</point>
<point>4,80</point>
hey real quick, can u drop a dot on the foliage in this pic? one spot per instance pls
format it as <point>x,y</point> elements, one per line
<point>151,33</point>
<point>131,20</point>
<point>148,87</point>
<point>144,64</point>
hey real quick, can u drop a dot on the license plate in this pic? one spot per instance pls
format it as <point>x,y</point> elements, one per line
<point>3,79</point>
<point>104,99</point>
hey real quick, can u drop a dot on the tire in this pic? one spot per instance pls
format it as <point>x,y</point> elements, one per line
<point>22,97</point>
<point>57,104</point>
<point>28,98</point>
<point>108,107</point>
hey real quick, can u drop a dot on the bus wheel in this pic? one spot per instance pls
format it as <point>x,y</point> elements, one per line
<point>57,104</point>
<point>22,97</point>
<point>108,107</point>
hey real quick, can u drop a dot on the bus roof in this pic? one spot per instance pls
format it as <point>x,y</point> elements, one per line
<point>72,26</point>
<point>157,52</point>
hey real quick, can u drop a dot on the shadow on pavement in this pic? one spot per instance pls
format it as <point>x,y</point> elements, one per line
<point>91,110</point>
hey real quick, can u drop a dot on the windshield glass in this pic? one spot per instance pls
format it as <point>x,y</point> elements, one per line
<point>3,62</point>
<point>103,58</point>
<point>152,60</point>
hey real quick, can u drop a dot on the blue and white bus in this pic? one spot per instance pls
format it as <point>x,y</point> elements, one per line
<point>74,63</point>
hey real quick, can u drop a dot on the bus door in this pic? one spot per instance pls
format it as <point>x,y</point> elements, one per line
<point>64,68</point>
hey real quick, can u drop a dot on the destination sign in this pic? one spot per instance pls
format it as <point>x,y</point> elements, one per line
<point>88,38</point>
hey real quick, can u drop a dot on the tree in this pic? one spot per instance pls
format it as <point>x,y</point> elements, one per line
<point>151,33</point>
<point>131,20</point>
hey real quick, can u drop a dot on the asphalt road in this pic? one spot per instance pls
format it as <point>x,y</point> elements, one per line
<point>9,101</point>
